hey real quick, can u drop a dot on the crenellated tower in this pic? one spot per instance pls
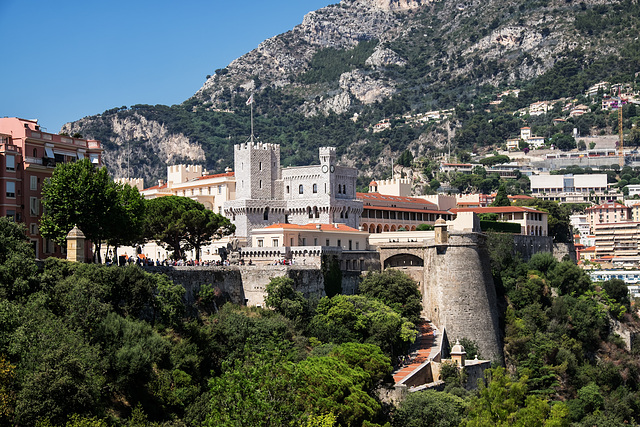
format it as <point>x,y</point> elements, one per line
<point>257,167</point>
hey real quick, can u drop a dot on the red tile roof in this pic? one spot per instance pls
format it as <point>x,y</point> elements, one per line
<point>384,197</point>
<point>498,209</point>
<point>219,175</point>
<point>608,205</point>
<point>312,226</point>
<point>401,209</point>
<point>157,187</point>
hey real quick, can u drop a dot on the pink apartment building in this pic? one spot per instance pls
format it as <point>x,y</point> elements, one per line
<point>27,157</point>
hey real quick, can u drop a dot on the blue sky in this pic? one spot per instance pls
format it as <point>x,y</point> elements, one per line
<point>63,60</point>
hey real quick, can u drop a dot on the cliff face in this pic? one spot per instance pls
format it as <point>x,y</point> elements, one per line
<point>363,60</point>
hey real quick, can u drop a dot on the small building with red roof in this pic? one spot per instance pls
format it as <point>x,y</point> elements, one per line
<point>212,190</point>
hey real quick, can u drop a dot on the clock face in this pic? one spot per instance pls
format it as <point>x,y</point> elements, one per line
<point>333,169</point>
<point>325,168</point>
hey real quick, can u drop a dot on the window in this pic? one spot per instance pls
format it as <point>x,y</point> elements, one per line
<point>350,245</point>
<point>301,189</point>
<point>11,162</point>
<point>80,155</point>
<point>291,242</point>
<point>339,189</point>
<point>304,241</point>
<point>33,183</point>
<point>315,188</point>
<point>11,215</point>
<point>260,184</point>
<point>357,245</point>
<point>265,216</point>
<point>35,152</point>
<point>219,189</point>
<point>48,152</point>
<point>33,228</point>
<point>275,243</point>
<point>11,189</point>
<point>220,210</point>
<point>287,189</point>
<point>339,242</point>
<point>260,243</point>
<point>315,241</point>
<point>327,243</point>
<point>59,158</point>
<point>95,158</point>
<point>34,204</point>
<point>260,165</point>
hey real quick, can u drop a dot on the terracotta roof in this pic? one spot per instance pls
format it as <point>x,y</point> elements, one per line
<point>372,183</point>
<point>219,175</point>
<point>157,187</point>
<point>589,249</point>
<point>608,205</point>
<point>498,209</point>
<point>312,226</point>
<point>400,209</point>
<point>388,198</point>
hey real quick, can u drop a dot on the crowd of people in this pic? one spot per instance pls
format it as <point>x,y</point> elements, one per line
<point>143,261</point>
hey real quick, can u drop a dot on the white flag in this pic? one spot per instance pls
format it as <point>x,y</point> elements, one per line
<point>250,100</point>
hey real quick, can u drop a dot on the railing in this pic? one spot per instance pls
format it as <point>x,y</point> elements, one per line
<point>33,160</point>
<point>78,142</point>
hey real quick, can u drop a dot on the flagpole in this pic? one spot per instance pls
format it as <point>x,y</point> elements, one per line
<point>252,117</point>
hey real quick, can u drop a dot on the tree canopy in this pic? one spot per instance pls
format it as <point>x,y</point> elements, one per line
<point>181,223</point>
<point>79,194</point>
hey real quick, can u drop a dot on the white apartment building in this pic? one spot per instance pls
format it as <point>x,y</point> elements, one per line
<point>569,188</point>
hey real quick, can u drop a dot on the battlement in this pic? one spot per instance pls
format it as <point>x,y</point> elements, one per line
<point>133,182</point>
<point>327,151</point>
<point>178,174</point>
<point>256,146</point>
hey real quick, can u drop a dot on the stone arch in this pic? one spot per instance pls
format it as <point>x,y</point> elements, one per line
<point>379,228</point>
<point>413,228</point>
<point>393,228</point>
<point>386,228</point>
<point>403,260</point>
<point>372,228</point>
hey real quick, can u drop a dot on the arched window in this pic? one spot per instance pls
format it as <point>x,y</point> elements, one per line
<point>260,183</point>
<point>301,189</point>
<point>287,189</point>
<point>339,188</point>
<point>35,152</point>
<point>315,188</point>
<point>265,216</point>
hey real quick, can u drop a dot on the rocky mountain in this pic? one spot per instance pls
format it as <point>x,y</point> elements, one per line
<point>351,65</point>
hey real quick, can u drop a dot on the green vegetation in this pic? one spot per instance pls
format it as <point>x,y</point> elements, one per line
<point>78,194</point>
<point>328,64</point>
<point>85,344</point>
<point>181,224</point>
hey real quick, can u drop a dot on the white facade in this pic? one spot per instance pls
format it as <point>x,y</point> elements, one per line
<point>267,194</point>
<point>554,184</point>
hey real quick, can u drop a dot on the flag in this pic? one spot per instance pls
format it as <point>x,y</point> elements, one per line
<point>250,100</point>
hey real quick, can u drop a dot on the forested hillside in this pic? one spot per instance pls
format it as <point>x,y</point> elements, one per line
<point>351,65</point>
<point>86,345</point>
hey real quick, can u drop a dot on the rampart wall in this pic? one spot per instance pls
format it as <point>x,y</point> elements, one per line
<point>459,294</point>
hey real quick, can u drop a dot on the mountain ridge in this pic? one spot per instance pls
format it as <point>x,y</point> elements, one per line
<point>349,65</point>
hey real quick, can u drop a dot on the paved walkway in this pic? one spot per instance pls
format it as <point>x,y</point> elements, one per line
<point>420,351</point>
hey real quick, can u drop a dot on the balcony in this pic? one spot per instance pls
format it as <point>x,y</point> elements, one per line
<point>61,139</point>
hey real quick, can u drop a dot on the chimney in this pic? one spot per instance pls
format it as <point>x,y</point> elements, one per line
<point>161,182</point>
